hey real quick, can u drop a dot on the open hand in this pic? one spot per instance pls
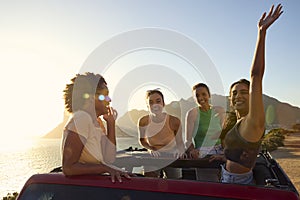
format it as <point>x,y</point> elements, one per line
<point>117,174</point>
<point>266,20</point>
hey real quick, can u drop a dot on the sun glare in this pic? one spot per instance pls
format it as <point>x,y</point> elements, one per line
<point>32,84</point>
<point>11,144</point>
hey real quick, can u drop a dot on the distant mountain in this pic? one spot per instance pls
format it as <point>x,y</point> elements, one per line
<point>128,122</point>
<point>57,131</point>
<point>278,114</point>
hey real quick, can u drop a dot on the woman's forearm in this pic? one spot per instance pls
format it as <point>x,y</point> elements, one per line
<point>258,65</point>
<point>109,144</point>
<point>111,132</point>
<point>84,168</point>
<point>109,150</point>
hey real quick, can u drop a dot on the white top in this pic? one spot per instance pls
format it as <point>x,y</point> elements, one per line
<point>81,123</point>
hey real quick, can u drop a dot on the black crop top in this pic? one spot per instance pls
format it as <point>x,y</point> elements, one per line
<point>235,145</point>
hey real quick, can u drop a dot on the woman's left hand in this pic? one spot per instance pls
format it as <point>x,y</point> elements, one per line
<point>116,175</point>
<point>267,20</point>
<point>111,115</point>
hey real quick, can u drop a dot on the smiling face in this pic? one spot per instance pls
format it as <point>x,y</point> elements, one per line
<point>239,97</point>
<point>155,103</point>
<point>202,96</point>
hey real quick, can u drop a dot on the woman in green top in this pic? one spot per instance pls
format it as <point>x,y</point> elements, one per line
<point>203,125</point>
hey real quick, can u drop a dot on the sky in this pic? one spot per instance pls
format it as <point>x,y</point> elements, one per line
<point>137,45</point>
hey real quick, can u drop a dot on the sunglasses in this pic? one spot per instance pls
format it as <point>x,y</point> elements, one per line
<point>102,97</point>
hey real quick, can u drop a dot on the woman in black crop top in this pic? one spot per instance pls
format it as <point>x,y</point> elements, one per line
<point>242,142</point>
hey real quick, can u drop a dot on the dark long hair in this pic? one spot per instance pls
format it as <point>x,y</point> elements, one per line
<point>228,124</point>
<point>231,118</point>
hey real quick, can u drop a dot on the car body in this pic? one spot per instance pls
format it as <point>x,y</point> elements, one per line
<point>57,186</point>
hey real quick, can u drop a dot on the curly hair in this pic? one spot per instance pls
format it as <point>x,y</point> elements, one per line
<point>80,88</point>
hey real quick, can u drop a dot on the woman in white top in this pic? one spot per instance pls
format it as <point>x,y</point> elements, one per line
<point>87,147</point>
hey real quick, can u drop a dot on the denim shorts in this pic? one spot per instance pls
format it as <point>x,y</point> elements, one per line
<point>228,177</point>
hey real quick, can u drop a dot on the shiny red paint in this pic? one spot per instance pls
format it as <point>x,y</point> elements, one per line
<point>190,187</point>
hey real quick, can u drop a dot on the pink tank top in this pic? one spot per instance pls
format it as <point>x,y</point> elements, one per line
<point>161,135</point>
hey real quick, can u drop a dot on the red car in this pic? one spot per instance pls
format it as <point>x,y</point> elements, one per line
<point>271,183</point>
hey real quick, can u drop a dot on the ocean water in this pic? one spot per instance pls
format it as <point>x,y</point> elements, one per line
<point>20,160</point>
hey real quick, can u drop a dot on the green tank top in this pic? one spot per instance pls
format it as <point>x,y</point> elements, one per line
<point>209,125</point>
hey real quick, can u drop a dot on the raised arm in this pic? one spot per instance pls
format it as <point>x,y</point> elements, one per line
<point>254,124</point>
<point>108,142</point>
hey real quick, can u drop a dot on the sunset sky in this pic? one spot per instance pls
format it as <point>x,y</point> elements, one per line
<point>43,44</point>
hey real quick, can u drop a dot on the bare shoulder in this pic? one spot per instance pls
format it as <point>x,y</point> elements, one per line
<point>193,112</point>
<point>174,122</point>
<point>143,121</point>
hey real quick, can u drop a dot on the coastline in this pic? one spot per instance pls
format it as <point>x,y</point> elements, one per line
<point>288,157</point>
